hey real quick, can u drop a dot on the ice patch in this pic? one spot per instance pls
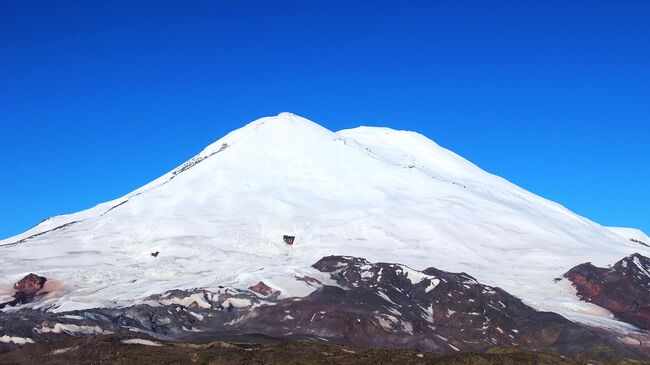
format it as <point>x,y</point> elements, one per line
<point>139,341</point>
<point>385,297</point>
<point>70,316</point>
<point>413,275</point>
<point>196,315</point>
<point>17,340</point>
<point>187,301</point>
<point>640,266</point>
<point>72,329</point>
<point>432,285</point>
<point>63,350</point>
<point>236,303</point>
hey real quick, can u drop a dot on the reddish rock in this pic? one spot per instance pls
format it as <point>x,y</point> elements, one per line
<point>30,284</point>
<point>26,289</point>
<point>261,288</point>
<point>624,289</point>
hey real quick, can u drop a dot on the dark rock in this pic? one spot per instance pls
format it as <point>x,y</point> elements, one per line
<point>624,288</point>
<point>155,254</point>
<point>288,239</point>
<point>391,305</point>
<point>639,242</point>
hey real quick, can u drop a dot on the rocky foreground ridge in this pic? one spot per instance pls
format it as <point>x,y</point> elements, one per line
<point>375,305</point>
<point>624,288</point>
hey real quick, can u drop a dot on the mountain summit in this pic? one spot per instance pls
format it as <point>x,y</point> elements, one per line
<point>220,219</point>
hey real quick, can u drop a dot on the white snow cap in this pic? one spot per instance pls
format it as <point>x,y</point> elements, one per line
<point>378,193</point>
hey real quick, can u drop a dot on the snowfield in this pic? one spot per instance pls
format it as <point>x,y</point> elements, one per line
<point>377,193</point>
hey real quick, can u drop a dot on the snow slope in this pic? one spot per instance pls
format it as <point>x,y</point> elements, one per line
<point>377,193</point>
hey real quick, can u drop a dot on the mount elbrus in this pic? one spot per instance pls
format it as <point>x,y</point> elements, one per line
<point>371,236</point>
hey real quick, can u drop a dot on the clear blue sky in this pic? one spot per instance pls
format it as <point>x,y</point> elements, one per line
<point>99,97</point>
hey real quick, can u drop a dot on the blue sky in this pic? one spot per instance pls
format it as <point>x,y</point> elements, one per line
<point>99,97</point>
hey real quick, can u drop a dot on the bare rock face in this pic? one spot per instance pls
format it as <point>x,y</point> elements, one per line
<point>26,289</point>
<point>391,305</point>
<point>624,288</point>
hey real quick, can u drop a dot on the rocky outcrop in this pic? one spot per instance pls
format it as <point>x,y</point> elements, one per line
<point>195,160</point>
<point>262,289</point>
<point>377,305</point>
<point>639,242</point>
<point>392,305</point>
<point>624,289</point>
<point>26,290</point>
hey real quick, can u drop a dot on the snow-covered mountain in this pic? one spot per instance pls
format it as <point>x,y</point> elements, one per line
<point>382,194</point>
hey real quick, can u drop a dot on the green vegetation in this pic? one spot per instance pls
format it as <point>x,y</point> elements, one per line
<point>109,349</point>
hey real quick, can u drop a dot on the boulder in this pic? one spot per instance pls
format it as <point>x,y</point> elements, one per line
<point>26,289</point>
<point>261,288</point>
